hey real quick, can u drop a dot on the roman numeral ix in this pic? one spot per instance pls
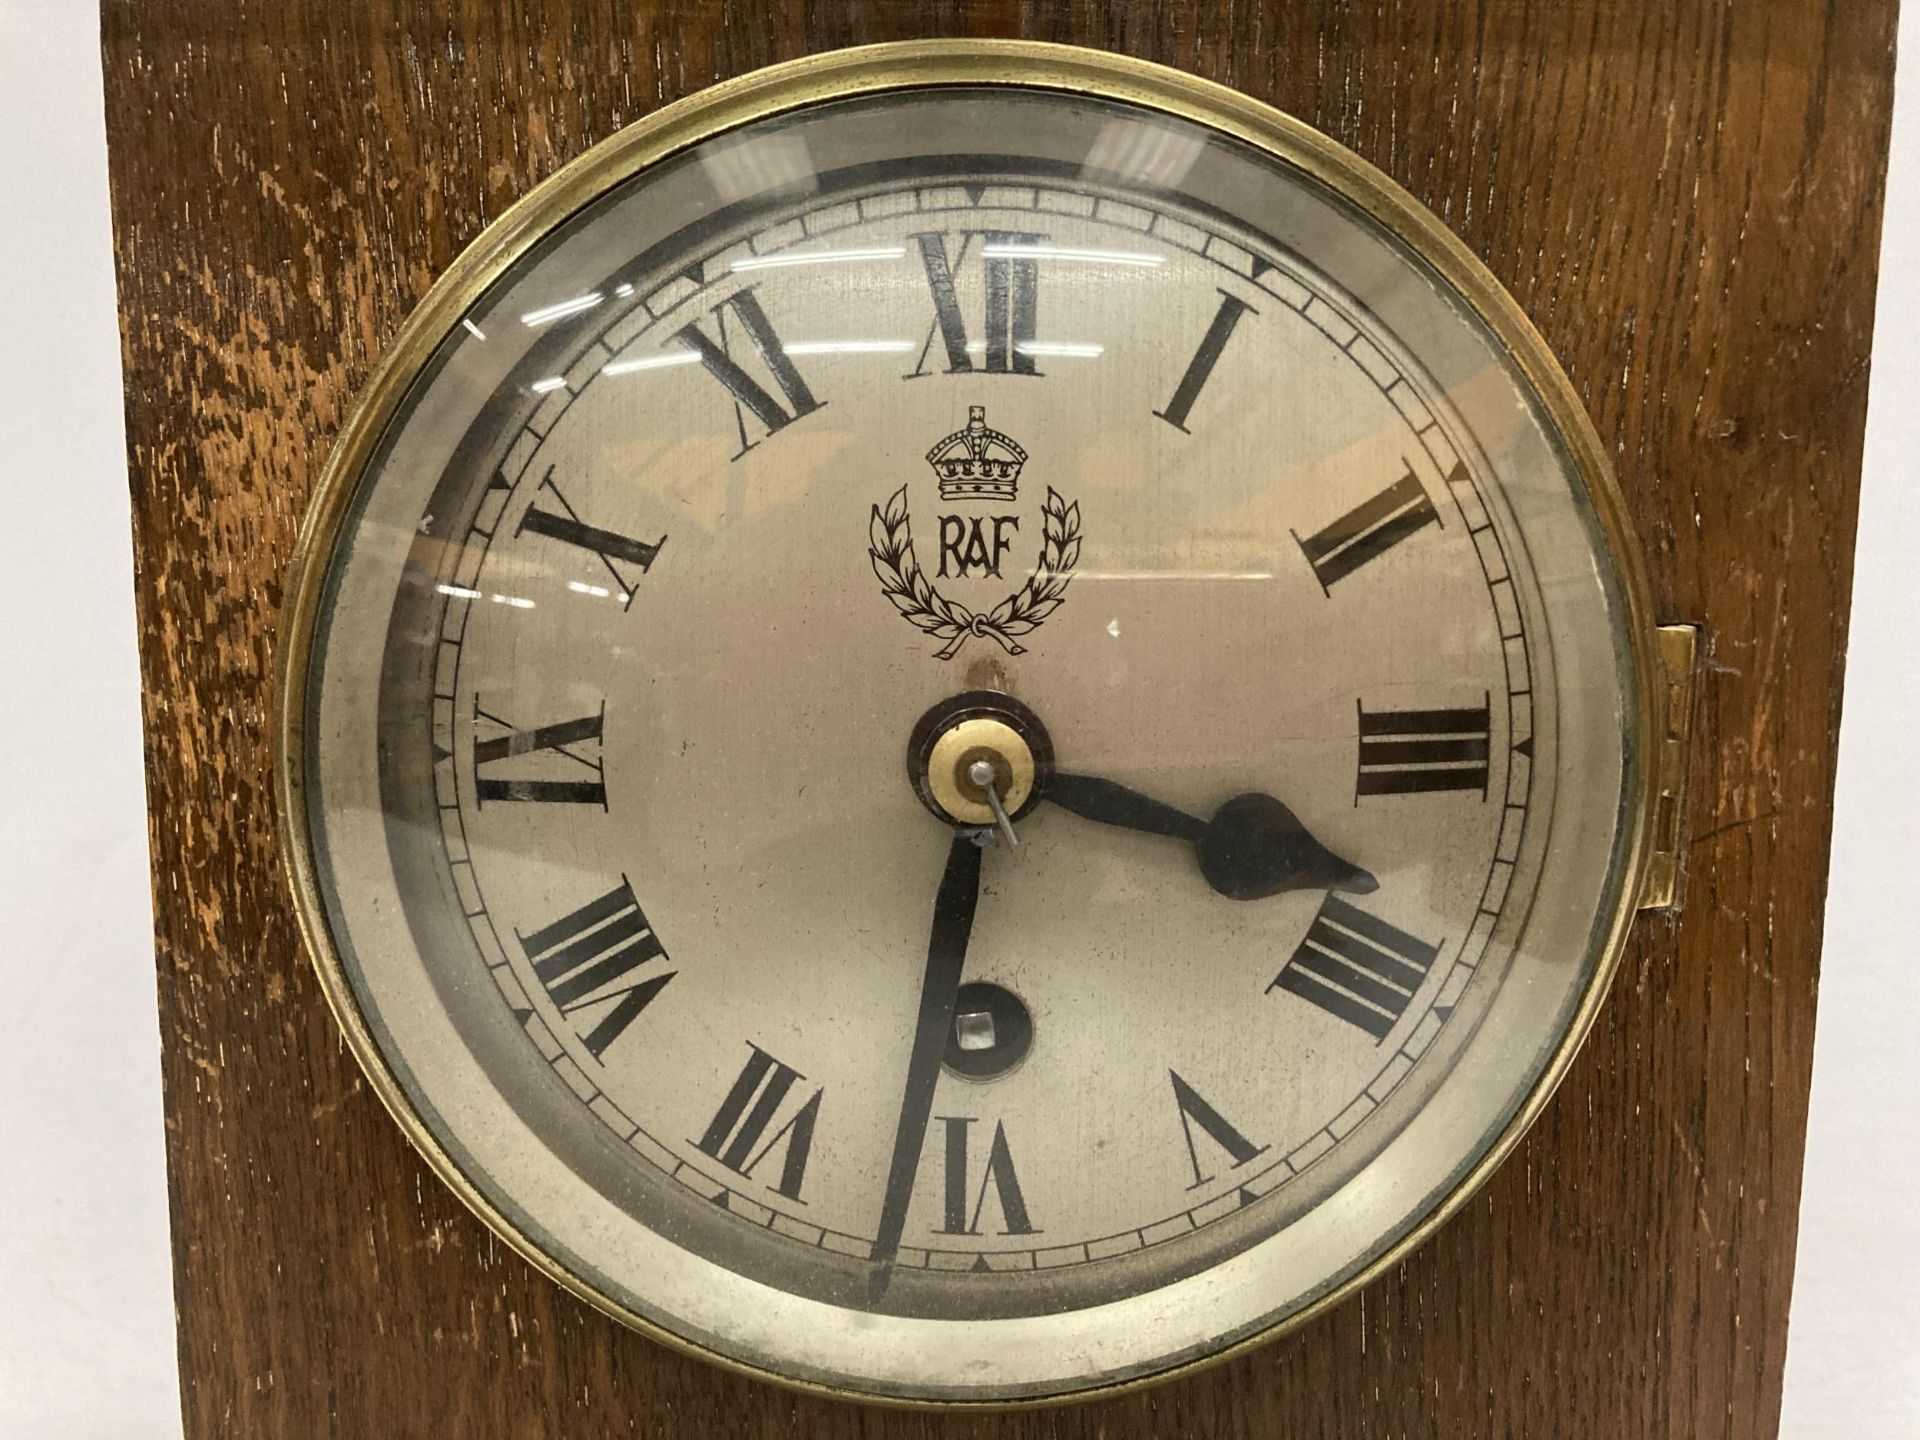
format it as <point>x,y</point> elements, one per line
<point>1012,302</point>
<point>587,960</point>
<point>735,1138</point>
<point>748,393</point>
<point>574,741</point>
<point>1413,752</point>
<point>1357,968</point>
<point>564,524</point>
<point>1369,530</point>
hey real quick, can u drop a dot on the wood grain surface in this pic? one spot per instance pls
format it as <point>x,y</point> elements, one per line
<point>1686,198</point>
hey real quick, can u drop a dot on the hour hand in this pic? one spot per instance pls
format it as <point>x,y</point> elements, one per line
<point>1253,847</point>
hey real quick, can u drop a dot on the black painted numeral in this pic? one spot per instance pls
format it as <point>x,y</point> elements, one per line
<point>574,741</point>
<point>1194,1110</point>
<point>1368,531</point>
<point>1013,302</point>
<point>1232,308</point>
<point>735,1136</point>
<point>564,524</point>
<point>586,962</point>
<point>958,1218</point>
<point>1357,968</point>
<point>1415,752</point>
<point>748,393</point>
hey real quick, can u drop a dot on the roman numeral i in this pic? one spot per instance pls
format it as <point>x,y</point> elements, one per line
<point>1357,968</point>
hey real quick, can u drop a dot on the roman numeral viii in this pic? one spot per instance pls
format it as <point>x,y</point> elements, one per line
<point>1012,302</point>
<point>738,1137</point>
<point>1369,530</point>
<point>559,748</point>
<point>1413,752</point>
<point>748,393</point>
<point>958,1217</point>
<point>587,960</point>
<point>1357,968</point>
<point>563,523</point>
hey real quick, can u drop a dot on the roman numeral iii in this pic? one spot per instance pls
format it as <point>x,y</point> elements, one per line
<point>1357,968</point>
<point>1369,530</point>
<point>563,523</point>
<point>748,393</point>
<point>587,962</point>
<point>738,1137</point>
<point>1414,752</point>
<point>1012,302</point>
<point>543,757</point>
<point>960,1218</point>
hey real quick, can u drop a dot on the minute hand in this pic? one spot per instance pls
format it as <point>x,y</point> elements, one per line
<point>1253,847</point>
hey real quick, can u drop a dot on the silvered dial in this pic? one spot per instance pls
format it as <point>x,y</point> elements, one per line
<point>936,744</point>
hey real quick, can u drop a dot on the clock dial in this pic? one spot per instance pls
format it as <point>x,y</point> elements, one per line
<point>966,742</point>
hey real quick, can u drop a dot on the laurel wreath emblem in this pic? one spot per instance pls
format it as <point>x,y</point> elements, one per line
<point>890,543</point>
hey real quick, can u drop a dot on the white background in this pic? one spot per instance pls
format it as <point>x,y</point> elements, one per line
<point>86,1325</point>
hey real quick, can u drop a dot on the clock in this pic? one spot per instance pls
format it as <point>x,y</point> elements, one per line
<point>967,722</point>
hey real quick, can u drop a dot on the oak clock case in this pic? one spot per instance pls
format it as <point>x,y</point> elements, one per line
<point>966,722</point>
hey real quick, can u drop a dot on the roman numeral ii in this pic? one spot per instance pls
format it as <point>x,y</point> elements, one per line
<point>1369,530</point>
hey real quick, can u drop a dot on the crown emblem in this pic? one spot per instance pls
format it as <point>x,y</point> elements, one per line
<point>977,463</point>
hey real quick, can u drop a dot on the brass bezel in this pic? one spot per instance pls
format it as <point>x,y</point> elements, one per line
<point>871,70</point>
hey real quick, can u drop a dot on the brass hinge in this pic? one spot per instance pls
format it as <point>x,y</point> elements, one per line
<point>1666,868</point>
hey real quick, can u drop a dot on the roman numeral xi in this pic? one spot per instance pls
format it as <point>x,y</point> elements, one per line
<point>588,963</point>
<point>748,393</point>
<point>1357,968</point>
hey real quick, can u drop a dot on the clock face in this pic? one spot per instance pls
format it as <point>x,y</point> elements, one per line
<point>963,743</point>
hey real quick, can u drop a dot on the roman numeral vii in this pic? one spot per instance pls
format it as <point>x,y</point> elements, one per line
<point>737,1136</point>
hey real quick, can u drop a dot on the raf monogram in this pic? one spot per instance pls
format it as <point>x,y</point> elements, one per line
<point>975,465</point>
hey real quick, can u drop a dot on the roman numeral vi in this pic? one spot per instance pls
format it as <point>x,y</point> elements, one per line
<point>958,1219</point>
